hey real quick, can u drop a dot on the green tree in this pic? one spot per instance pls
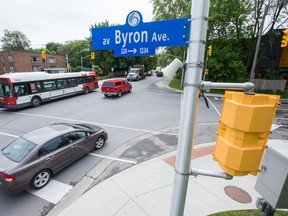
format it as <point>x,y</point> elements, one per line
<point>15,40</point>
<point>52,47</point>
<point>167,9</point>
<point>226,63</point>
<point>98,70</point>
<point>80,48</point>
<point>229,19</point>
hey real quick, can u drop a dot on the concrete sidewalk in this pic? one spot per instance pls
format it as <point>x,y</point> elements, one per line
<point>145,189</point>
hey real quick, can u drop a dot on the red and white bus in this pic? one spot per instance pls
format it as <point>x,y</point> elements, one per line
<point>23,89</point>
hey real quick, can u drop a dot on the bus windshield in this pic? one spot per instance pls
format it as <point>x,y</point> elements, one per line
<point>6,90</point>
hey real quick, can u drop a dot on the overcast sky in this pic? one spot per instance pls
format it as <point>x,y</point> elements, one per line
<point>65,20</point>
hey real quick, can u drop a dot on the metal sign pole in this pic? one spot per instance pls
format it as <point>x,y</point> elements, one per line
<point>195,62</point>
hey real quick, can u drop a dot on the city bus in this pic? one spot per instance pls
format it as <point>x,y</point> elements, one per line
<point>24,89</point>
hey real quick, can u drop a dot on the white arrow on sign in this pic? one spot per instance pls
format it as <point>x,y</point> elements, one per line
<point>134,50</point>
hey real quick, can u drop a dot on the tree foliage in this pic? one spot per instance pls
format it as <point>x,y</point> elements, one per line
<point>15,40</point>
<point>226,63</point>
<point>52,47</point>
<point>170,9</point>
<point>165,10</point>
<point>229,19</point>
<point>65,48</point>
<point>80,48</point>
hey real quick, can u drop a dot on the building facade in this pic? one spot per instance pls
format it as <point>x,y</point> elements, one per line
<point>24,61</point>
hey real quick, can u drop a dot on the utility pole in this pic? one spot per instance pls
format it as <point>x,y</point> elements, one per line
<point>81,63</point>
<point>67,61</point>
<point>193,75</point>
<point>252,73</point>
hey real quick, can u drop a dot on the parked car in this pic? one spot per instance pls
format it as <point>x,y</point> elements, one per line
<point>31,160</point>
<point>158,69</point>
<point>159,74</point>
<point>149,73</point>
<point>116,87</point>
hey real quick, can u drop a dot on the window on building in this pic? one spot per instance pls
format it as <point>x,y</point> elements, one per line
<point>36,68</point>
<point>52,60</point>
<point>10,58</point>
<point>34,59</point>
<point>2,58</point>
<point>4,69</point>
<point>12,69</point>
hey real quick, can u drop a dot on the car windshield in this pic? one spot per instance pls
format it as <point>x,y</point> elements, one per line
<point>18,149</point>
<point>133,70</point>
<point>108,84</point>
<point>5,90</point>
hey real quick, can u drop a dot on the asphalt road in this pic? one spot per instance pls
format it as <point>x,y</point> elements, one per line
<point>133,122</point>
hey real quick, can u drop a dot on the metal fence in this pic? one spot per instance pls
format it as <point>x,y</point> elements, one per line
<point>273,85</point>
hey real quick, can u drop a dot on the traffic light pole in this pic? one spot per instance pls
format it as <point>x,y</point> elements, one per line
<point>193,75</point>
<point>82,61</point>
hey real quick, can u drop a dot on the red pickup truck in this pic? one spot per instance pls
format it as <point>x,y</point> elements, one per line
<point>115,87</point>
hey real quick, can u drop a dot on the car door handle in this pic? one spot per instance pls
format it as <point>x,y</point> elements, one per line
<point>50,157</point>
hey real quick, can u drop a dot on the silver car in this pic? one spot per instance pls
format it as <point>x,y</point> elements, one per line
<point>32,159</point>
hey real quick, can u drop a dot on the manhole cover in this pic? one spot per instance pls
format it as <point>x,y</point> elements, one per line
<point>238,194</point>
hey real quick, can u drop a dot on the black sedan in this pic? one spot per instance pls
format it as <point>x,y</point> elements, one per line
<point>32,159</point>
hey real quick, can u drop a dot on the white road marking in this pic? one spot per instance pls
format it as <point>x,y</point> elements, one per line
<point>11,135</point>
<point>53,192</point>
<point>111,158</point>
<point>213,106</point>
<point>275,126</point>
<point>106,125</point>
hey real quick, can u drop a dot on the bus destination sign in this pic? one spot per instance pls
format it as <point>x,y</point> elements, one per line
<point>137,38</point>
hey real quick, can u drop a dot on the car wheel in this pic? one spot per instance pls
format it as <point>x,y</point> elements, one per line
<point>86,90</point>
<point>105,95</point>
<point>119,93</point>
<point>35,102</point>
<point>99,143</point>
<point>130,90</point>
<point>41,179</point>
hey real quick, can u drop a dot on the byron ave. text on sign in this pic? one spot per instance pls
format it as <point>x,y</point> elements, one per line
<point>137,38</point>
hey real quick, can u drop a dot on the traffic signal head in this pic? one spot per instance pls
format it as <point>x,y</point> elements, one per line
<point>210,50</point>
<point>284,40</point>
<point>244,128</point>
<point>92,55</point>
<point>43,54</point>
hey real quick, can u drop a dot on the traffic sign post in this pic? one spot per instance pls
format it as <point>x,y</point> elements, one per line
<point>193,75</point>
<point>137,38</point>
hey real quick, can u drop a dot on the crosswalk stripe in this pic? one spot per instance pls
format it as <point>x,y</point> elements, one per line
<point>53,192</point>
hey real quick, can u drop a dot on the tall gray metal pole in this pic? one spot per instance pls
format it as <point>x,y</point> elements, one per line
<point>195,62</point>
<point>252,73</point>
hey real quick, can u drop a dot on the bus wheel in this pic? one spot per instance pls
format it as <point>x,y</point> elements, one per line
<point>86,90</point>
<point>36,101</point>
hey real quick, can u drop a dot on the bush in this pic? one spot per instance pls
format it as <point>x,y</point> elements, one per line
<point>78,69</point>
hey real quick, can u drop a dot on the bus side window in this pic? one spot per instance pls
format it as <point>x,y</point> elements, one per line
<point>49,85</point>
<point>20,89</point>
<point>72,82</point>
<point>60,84</point>
<point>33,87</point>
